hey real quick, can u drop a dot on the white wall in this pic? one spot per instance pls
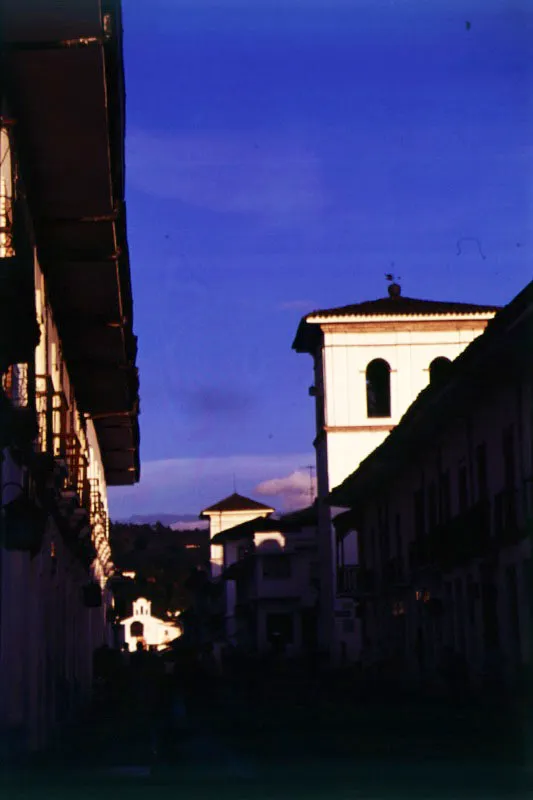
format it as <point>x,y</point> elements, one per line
<point>222,521</point>
<point>156,632</point>
<point>346,357</point>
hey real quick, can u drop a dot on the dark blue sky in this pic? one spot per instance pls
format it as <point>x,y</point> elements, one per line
<point>281,157</point>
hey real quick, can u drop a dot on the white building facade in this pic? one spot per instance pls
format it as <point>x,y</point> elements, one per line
<point>270,567</point>
<point>371,360</point>
<point>143,627</point>
<point>227,513</point>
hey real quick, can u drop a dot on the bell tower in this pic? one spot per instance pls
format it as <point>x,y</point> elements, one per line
<point>371,359</point>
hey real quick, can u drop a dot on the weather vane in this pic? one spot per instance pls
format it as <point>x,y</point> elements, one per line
<point>394,286</point>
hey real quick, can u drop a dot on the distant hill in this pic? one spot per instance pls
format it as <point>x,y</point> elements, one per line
<point>174,521</point>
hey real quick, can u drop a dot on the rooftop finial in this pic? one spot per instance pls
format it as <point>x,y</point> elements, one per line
<point>395,289</point>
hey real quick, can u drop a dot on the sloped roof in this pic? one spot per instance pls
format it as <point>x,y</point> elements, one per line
<point>257,525</point>
<point>303,516</point>
<point>402,305</point>
<point>391,306</point>
<point>246,529</point>
<point>236,502</point>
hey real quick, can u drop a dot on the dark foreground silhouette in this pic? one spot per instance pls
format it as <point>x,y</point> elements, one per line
<point>176,719</point>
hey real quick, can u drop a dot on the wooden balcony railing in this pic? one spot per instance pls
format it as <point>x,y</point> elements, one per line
<point>44,393</point>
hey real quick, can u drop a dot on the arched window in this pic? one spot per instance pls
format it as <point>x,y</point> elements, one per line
<point>438,369</point>
<point>378,388</point>
<point>137,629</point>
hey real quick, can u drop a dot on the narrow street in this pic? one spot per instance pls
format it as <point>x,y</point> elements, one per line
<point>285,738</point>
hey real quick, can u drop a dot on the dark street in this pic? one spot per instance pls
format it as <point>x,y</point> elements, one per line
<point>282,735</point>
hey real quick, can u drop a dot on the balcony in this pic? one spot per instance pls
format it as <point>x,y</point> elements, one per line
<point>462,538</point>
<point>509,528</point>
<point>347,581</point>
<point>355,581</point>
<point>18,425</point>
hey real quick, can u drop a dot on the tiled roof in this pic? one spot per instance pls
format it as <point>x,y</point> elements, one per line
<point>402,305</point>
<point>236,502</point>
<point>307,335</point>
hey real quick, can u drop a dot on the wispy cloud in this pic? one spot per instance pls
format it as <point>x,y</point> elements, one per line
<point>228,172</point>
<point>213,400</point>
<point>186,485</point>
<point>296,490</point>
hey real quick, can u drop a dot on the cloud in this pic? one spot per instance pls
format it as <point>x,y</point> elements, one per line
<point>187,485</point>
<point>228,172</point>
<point>190,526</point>
<point>296,490</point>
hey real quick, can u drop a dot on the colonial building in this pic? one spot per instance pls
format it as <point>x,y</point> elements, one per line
<point>269,570</point>
<point>371,360</point>
<point>227,513</point>
<point>444,512</point>
<point>143,627</point>
<point>69,386</point>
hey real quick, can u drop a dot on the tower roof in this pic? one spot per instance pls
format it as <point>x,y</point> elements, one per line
<point>385,307</point>
<point>236,502</point>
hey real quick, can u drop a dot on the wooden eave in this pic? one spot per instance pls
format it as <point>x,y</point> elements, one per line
<point>64,66</point>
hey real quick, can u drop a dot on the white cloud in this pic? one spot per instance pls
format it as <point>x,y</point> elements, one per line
<point>228,172</point>
<point>296,490</point>
<point>187,485</point>
<point>190,526</point>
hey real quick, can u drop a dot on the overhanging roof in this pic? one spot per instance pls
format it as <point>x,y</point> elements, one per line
<point>64,65</point>
<point>394,306</point>
<point>247,530</point>
<point>236,502</point>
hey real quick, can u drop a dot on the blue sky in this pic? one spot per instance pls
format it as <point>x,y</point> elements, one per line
<point>282,157</point>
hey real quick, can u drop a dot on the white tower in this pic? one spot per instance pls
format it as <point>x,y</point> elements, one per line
<point>232,511</point>
<point>371,360</point>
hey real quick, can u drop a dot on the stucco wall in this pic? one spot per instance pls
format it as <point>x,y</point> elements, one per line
<point>460,587</point>
<point>156,632</point>
<point>346,356</point>
<point>222,521</point>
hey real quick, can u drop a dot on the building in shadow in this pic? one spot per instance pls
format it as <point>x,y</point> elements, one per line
<point>271,594</point>
<point>444,512</point>
<point>262,592</point>
<point>69,384</point>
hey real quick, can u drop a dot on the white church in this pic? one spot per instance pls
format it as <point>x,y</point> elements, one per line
<point>143,627</point>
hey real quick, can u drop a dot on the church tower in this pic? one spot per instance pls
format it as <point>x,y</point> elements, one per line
<point>371,360</point>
